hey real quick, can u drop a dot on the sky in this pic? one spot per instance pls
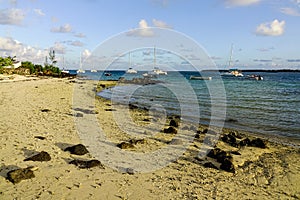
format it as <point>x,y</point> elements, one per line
<point>264,34</point>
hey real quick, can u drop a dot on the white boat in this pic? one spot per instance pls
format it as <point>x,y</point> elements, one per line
<point>200,77</point>
<point>232,72</point>
<point>94,70</point>
<point>80,70</point>
<point>130,70</point>
<point>65,71</point>
<point>156,70</point>
<point>255,77</point>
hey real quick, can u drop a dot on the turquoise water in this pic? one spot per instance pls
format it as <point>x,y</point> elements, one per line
<point>270,107</point>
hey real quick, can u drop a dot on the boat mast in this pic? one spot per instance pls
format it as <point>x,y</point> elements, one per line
<point>154,54</point>
<point>129,61</point>
<point>230,58</point>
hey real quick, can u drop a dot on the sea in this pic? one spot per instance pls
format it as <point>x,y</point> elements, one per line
<point>270,107</point>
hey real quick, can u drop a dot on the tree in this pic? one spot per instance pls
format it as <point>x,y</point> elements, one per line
<point>52,57</point>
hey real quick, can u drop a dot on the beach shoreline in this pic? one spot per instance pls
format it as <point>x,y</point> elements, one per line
<point>43,108</point>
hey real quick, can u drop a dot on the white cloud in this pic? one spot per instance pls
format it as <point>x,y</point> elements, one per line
<point>233,3</point>
<point>86,53</point>
<point>76,43</point>
<point>59,48</point>
<point>39,12</point>
<point>290,11</point>
<point>160,24</point>
<point>11,16</point>
<point>274,28</point>
<point>67,28</point>
<point>23,52</point>
<point>80,35</point>
<point>143,31</point>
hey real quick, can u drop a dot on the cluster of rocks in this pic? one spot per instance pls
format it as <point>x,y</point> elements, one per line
<point>173,124</point>
<point>130,144</point>
<point>17,175</point>
<point>139,81</point>
<point>223,157</point>
<point>236,140</point>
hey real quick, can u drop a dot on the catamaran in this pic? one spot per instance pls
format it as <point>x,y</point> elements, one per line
<point>156,71</point>
<point>80,70</point>
<point>130,70</point>
<point>232,71</point>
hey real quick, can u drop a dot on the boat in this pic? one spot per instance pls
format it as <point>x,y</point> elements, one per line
<point>94,70</point>
<point>156,71</point>
<point>130,70</point>
<point>200,77</point>
<point>150,75</point>
<point>107,74</point>
<point>232,72</point>
<point>255,77</point>
<point>65,71</point>
<point>80,70</point>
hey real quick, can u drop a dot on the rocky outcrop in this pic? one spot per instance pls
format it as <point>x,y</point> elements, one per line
<point>42,156</point>
<point>78,149</point>
<point>17,175</point>
<point>86,164</point>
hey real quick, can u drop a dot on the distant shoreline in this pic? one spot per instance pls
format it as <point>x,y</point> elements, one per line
<point>258,70</point>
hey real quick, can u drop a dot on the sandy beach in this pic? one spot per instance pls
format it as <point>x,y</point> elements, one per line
<point>38,115</point>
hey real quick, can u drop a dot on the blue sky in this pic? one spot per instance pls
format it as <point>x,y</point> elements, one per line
<point>264,33</point>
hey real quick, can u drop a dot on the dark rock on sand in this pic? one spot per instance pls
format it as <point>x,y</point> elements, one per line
<point>227,166</point>
<point>171,130</point>
<point>17,175</point>
<point>223,155</point>
<point>173,123</point>
<point>230,139</point>
<point>85,164</point>
<point>40,137</point>
<point>79,115</point>
<point>42,156</point>
<point>130,171</point>
<point>110,109</point>
<point>137,141</point>
<point>125,145</point>
<point>45,110</point>
<point>245,142</point>
<point>209,165</point>
<point>132,106</point>
<point>78,149</point>
<point>213,152</point>
<point>258,143</point>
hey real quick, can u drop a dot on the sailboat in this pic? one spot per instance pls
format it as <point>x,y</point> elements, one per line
<point>130,70</point>
<point>64,71</point>
<point>80,70</point>
<point>232,71</point>
<point>156,70</point>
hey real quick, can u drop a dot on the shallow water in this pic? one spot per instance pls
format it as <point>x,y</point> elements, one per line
<point>270,107</point>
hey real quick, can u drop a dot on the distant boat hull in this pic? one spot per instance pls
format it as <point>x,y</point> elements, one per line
<point>80,71</point>
<point>131,71</point>
<point>200,77</point>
